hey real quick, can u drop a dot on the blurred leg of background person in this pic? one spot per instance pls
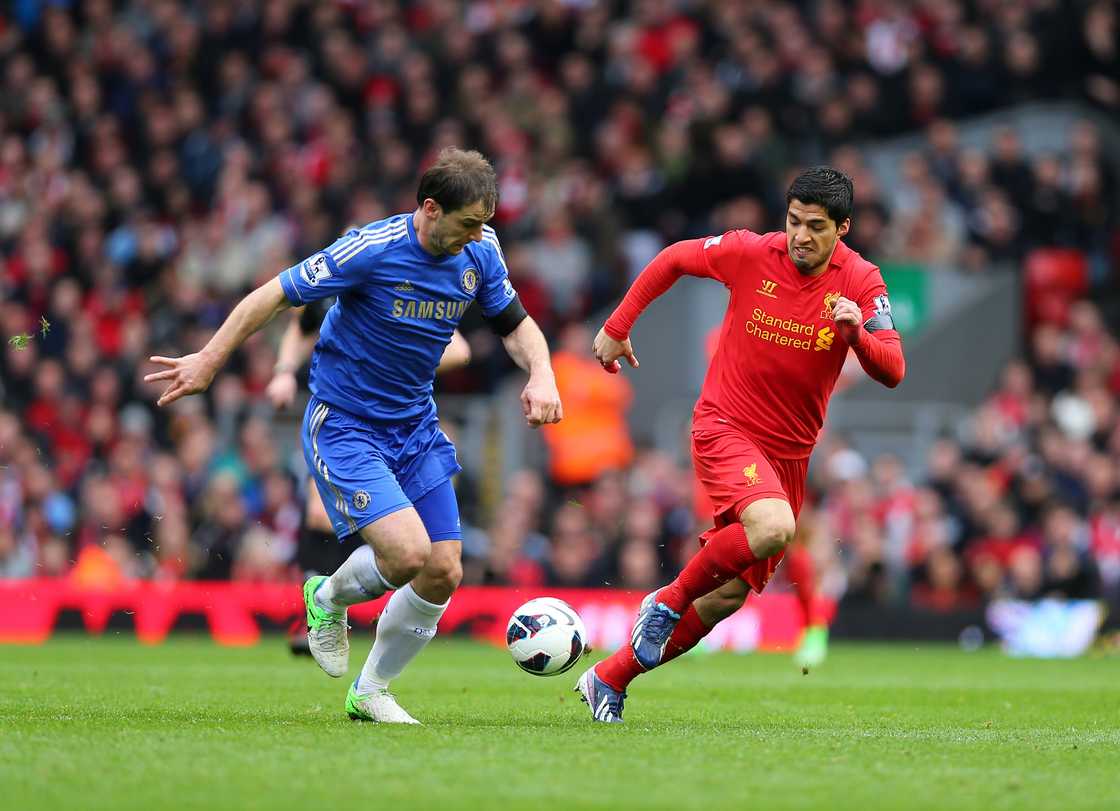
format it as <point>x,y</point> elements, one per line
<point>802,575</point>
<point>319,552</point>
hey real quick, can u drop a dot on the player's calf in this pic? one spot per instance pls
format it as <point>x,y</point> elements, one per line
<point>721,603</point>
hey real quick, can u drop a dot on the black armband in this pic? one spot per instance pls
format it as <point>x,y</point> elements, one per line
<point>508,319</point>
<point>312,317</point>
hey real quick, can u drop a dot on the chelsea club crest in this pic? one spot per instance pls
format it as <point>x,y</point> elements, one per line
<point>469,280</point>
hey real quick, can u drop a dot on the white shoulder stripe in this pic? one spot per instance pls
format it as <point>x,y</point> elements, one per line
<point>358,245</point>
<point>365,233</point>
<point>292,281</point>
<point>368,243</point>
<point>497,248</point>
<point>392,225</point>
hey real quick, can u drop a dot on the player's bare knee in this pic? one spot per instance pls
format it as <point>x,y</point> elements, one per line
<point>414,556</point>
<point>404,559</point>
<point>772,539</point>
<point>446,574</point>
<point>770,526</point>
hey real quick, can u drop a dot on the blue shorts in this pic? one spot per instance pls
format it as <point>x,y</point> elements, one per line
<point>365,470</point>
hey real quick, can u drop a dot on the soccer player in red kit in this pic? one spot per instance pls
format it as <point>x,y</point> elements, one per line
<point>799,301</point>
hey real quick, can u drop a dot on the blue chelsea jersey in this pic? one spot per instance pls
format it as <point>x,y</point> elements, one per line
<point>396,308</point>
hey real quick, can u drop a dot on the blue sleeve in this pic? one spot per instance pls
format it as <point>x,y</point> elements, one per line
<point>497,290</point>
<point>330,272</point>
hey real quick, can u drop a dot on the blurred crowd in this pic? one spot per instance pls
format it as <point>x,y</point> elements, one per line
<point>1023,501</point>
<point>158,159</point>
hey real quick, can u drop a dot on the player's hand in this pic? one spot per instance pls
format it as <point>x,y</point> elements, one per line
<point>281,390</point>
<point>540,401</point>
<point>607,351</point>
<point>849,319</point>
<point>189,374</point>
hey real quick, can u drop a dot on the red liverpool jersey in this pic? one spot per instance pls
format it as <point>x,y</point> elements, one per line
<point>779,354</point>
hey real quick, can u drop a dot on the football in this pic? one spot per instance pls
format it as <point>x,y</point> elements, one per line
<point>546,636</point>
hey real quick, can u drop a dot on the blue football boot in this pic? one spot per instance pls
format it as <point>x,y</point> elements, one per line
<point>652,630</point>
<point>604,701</point>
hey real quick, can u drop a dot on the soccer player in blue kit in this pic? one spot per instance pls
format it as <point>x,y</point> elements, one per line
<point>370,434</point>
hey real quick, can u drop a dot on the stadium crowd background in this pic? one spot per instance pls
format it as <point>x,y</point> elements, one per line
<point>158,159</point>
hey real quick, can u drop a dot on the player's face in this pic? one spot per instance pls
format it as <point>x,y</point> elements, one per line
<point>811,235</point>
<point>452,230</point>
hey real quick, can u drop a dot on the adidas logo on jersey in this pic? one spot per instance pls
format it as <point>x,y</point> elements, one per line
<point>403,287</point>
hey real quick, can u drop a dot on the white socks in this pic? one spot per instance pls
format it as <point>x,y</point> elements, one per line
<point>358,579</point>
<point>407,624</point>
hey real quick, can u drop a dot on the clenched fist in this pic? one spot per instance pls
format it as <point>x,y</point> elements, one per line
<point>849,320</point>
<point>540,401</point>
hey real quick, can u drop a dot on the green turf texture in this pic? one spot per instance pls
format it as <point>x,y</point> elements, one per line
<point>108,723</point>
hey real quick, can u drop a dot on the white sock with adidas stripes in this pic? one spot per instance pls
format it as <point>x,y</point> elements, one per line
<point>357,580</point>
<point>407,624</point>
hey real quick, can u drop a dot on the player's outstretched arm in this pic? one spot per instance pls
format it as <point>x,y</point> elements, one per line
<point>540,400</point>
<point>690,257</point>
<point>879,353</point>
<point>191,374</point>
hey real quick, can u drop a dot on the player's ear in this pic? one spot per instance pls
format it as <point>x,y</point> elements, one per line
<point>431,208</point>
<point>844,227</point>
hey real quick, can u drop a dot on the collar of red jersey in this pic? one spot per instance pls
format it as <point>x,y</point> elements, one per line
<point>839,255</point>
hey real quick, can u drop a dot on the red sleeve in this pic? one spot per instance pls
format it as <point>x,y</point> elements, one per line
<point>880,355</point>
<point>714,258</point>
<point>879,347</point>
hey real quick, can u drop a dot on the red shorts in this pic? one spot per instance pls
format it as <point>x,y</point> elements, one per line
<point>734,472</point>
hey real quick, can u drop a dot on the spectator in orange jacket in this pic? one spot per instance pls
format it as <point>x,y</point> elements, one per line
<point>594,436</point>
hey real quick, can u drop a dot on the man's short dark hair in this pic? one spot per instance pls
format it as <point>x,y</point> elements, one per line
<point>458,178</point>
<point>826,187</point>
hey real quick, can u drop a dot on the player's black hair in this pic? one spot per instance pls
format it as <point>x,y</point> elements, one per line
<point>459,178</point>
<point>826,187</point>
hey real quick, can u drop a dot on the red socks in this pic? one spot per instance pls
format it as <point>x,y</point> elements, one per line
<point>621,668</point>
<point>802,576</point>
<point>690,630</point>
<point>726,555</point>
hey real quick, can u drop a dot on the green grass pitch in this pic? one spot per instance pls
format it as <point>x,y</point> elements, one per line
<point>108,723</point>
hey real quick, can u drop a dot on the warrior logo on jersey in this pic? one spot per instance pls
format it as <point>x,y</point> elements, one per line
<point>469,282</point>
<point>361,499</point>
<point>830,300</point>
<point>315,269</point>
